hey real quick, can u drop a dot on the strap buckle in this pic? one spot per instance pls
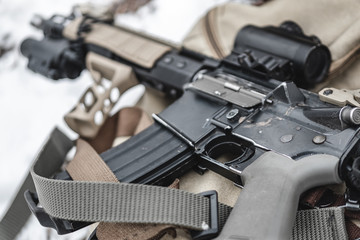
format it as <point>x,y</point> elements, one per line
<point>60,225</point>
<point>352,197</point>
<point>214,229</point>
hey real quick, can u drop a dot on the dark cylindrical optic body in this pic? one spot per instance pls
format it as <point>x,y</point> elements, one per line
<point>310,59</point>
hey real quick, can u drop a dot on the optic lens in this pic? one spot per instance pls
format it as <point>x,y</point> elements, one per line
<point>317,65</point>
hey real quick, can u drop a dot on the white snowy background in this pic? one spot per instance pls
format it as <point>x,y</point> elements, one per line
<point>31,105</point>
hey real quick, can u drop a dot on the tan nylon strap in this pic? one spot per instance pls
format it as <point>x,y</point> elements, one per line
<point>127,122</point>
<point>130,231</point>
<point>127,45</point>
<point>312,198</point>
<point>87,165</point>
<point>18,212</point>
<point>56,193</point>
<point>122,231</point>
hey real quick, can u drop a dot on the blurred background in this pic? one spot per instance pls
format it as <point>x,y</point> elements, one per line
<point>32,105</point>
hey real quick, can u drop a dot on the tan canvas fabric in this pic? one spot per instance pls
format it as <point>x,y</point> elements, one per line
<point>336,23</point>
<point>137,49</point>
<point>348,78</point>
<point>153,101</point>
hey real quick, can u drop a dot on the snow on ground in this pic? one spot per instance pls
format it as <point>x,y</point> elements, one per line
<point>32,105</point>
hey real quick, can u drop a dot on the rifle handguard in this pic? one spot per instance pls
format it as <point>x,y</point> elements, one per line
<point>111,78</point>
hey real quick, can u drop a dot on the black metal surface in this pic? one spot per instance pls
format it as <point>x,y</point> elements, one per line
<point>328,116</point>
<point>170,73</point>
<point>191,115</point>
<point>154,156</point>
<point>281,125</point>
<point>53,58</point>
<point>283,53</point>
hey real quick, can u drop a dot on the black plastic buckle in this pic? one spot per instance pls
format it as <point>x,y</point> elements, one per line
<point>60,225</point>
<point>352,198</point>
<point>213,231</point>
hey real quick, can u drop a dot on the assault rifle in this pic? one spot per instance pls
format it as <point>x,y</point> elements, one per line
<point>283,139</point>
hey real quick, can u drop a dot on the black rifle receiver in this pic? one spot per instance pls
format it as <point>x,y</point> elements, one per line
<point>240,105</point>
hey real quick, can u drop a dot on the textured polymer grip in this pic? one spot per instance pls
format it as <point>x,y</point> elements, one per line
<point>111,79</point>
<point>266,207</point>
